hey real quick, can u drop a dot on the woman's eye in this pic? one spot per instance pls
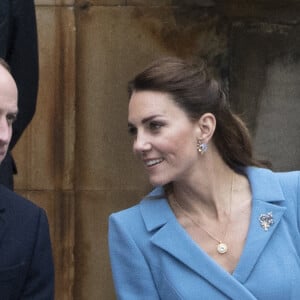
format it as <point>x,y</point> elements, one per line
<point>132,130</point>
<point>155,125</point>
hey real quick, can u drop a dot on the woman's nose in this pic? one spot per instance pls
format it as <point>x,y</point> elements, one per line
<point>141,144</point>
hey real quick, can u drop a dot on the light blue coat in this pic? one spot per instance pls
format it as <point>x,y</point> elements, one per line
<point>152,256</point>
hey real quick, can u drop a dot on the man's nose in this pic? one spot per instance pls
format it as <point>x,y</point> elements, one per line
<point>5,131</point>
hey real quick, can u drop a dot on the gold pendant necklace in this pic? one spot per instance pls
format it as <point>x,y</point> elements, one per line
<point>222,247</point>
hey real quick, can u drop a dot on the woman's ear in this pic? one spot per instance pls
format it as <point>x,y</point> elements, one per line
<point>206,127</point>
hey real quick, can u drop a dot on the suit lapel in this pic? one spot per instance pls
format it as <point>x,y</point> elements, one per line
<point>2,213</point>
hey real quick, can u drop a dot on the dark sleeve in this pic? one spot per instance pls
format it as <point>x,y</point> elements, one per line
<point>4,27</point>
<point>39,283</point>
<point>22,56</point>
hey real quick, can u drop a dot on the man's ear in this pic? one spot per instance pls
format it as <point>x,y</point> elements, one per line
<point>206,127</point>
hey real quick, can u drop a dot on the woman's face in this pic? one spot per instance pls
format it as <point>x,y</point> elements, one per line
<point>163,137</point>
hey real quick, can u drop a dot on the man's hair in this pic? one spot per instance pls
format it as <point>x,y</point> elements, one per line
<point>4,64</point>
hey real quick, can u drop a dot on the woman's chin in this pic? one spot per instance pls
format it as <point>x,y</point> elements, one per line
<point>158,181</point>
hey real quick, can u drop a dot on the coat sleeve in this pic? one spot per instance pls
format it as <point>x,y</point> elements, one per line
<point>22,56</point>
<point>131,274</point>
<point>39,283</point>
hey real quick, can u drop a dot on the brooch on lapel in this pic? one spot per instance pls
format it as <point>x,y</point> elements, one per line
<point>266,220</point>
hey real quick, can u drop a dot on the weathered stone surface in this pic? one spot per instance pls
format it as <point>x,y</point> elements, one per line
<point>265,63</point>
<point>45,153</point>
<point>113,44</point>
<point>93,278</point>
<point>54,2</point>
<point>75,159</point>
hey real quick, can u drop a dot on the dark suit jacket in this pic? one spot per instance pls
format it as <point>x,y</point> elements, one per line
<point>18,46</point>
<point>26,265</point>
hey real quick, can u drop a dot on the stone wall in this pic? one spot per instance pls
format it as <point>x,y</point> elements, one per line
<point>75,159</point>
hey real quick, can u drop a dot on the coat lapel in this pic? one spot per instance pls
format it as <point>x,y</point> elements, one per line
<point>267,197</point>
<point>257,237</point>
<point>172,238</point>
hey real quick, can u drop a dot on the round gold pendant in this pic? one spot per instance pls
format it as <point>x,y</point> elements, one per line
<point>222,248</point>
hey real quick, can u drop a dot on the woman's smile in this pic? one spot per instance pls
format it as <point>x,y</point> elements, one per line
<point>153,162</point>
<point>163,136</point>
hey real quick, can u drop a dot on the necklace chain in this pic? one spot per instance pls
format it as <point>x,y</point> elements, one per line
<point>221,246</point>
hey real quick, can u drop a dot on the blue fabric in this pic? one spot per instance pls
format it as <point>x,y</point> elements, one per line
<point>26,264</point>
<point>152,257</point>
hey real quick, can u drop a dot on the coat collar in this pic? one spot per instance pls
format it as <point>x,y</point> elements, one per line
<point>267,197</point>
<point>170,236</point>
<point>264,184</point>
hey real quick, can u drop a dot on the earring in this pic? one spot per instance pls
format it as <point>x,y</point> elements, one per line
<point>201,147</point>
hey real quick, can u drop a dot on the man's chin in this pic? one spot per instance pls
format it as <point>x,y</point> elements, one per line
<point>2,156</point>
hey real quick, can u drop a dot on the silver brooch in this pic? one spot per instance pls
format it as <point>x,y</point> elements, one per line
<point>266,220</point>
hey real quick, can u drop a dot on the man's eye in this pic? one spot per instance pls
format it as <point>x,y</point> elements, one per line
<point>11,118</point>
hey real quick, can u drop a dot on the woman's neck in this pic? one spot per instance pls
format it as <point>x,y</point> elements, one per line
<point>209,193</point>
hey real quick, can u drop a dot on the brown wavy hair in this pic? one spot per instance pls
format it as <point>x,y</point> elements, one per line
<point>196,92</point>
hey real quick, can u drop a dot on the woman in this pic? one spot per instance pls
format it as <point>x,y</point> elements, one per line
<point>218,224</point>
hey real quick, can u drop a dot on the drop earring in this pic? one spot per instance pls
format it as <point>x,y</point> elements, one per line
<point>201,147</point>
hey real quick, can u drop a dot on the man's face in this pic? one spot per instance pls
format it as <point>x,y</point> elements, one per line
<point>8,109</point>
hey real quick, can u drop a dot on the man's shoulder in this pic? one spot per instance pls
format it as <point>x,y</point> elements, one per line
<point>13,201</point>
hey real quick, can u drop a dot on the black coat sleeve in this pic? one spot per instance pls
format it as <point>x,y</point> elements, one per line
<point>40,278</point>
<point>22,56</point>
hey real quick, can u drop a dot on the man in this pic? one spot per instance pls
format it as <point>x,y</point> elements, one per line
<point>19,48</point>
<point>26,264</point>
